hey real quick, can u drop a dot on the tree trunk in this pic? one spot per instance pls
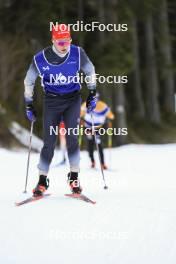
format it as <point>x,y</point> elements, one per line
<point>166,55</point>
<point>138,100</point>
<point>101,16</point>
<point>152,86</point>
<point>120,113</point>
<point>118,90</point>
<point>80,18</point>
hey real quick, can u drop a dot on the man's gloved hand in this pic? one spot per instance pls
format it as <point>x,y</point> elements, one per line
<point>91,101</point>
<point>30,112</point>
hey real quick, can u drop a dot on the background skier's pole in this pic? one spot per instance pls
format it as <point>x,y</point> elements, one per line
<point>94,133</point>
<point>29,153</point>
<point>110,143</point>
<point>80,138</point>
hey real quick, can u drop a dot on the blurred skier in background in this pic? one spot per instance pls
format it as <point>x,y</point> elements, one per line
<point>101,115</point>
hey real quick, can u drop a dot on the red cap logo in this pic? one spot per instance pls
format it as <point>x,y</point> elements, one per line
<point>60,31</point>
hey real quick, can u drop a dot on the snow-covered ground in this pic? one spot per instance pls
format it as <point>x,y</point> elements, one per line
<point>134,221</point>
<point>22,135</point>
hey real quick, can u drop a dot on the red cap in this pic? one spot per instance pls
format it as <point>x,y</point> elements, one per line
<point>60,31</point>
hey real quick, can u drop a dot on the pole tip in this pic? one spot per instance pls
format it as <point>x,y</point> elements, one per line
<point>105,187</point>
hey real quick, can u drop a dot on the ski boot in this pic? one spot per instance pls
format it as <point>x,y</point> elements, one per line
<point>74,183</point>
<point>41,187</point>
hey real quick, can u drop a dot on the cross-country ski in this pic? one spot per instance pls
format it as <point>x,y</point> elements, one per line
<point>32,199</point>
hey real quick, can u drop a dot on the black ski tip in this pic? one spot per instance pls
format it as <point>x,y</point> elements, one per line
<point>105,187</point>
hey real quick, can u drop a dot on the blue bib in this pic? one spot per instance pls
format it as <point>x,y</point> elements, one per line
<point>62,78</point>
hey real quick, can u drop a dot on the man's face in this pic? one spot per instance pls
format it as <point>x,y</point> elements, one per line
<point>62,45</point>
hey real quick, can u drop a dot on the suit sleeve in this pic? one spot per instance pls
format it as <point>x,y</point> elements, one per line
<point>29,82</point>
<point>88,68</point>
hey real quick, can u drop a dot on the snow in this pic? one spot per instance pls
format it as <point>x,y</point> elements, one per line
<point>132,222</point>
<point>22,135</point>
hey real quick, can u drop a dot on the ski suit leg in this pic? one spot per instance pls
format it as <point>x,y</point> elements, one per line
<point>51,118</point>
<point>72,119</point>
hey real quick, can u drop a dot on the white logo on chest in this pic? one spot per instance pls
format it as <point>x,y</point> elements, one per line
<point>58,79</point>
<point>45,68</point>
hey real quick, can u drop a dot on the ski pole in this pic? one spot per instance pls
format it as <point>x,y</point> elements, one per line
<point>81,131</point>
<point>96,143</point>
<point>110,142</point>
<point>29,153</point>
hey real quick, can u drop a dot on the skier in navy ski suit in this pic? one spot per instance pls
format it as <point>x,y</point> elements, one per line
<point>62,99</point>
